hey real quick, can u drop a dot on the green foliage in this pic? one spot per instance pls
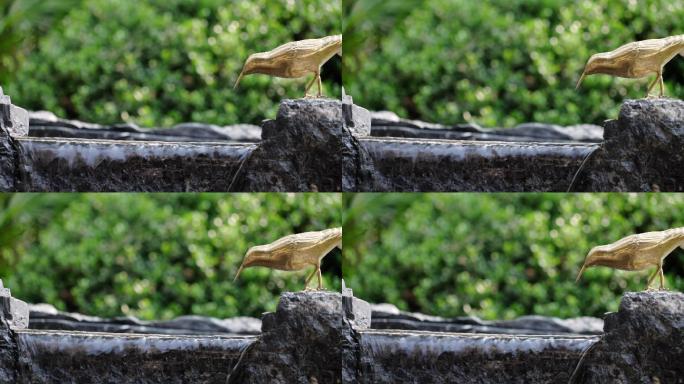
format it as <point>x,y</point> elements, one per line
<point>499,62</point>
<point>20,22</point>
<point>499,255</point>
<point>158,256</point>
<point>161,62</point>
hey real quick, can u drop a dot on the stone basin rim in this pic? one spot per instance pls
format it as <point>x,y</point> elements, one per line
<point>57,140</point>
<point>477,143</point>
<point>399,332</point>
<point>59,333</point>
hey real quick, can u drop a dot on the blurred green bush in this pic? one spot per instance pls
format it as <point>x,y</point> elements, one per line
<point>156,256</point>
<point>499,62</point>
<point>499,256</point>
<point>161,62</point>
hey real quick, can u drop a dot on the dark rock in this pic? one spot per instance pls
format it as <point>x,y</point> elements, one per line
<point>13,119</point>
<point>387,124</point>
<point>356,317</point>
<point>642,150</point>
<point>643,342</point>
<point>46,124</point>
<point>44,316</point>
<point>14,312</point>
<point>300,150</point>
<point>300,342</point>
<point>358,169</point>
<point>552,132</point>
<point>13,123</point>
<point>13,316</point>
<point>389,317</point>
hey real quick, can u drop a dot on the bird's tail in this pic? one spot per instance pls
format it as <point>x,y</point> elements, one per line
<point>580,80</point>
<point>581,272</point>
<point>238,272</point>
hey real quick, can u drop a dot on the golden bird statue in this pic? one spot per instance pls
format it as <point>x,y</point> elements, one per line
<point>295,252</point>
<point>295,59</point>
<point>636,60</point>
<point>637,252</point>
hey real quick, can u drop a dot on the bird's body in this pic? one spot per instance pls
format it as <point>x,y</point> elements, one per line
<point>295,59</point>
<point>637,252</point>
<point>636,60</point>
<point>294,252</point>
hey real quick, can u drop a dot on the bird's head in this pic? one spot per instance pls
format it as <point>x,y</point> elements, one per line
<point>594,256</point>
<point>252,258</point>
<point>597,63</point>
<point>253,64</point>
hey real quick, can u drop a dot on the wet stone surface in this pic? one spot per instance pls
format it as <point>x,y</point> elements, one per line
<point>46,124</point>
<point>386,316</point>
<point>81,357</point>
<point>44,316</point>
<point>388,124</point>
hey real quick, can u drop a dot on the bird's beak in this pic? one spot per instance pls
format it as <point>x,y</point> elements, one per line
<point>584,74</point>
<point>237,274</point>
<point>580,273</point>
<point>238,80</point>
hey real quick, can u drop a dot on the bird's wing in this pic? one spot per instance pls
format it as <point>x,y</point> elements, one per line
<point>312,47</point>
<point>284,52</point>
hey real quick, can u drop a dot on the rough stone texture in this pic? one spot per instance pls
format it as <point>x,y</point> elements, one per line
<point>13,119</point>
<point>356,317</point>
<point>299,151</point>
<point>300,342</point>
<point>13,122</point>
<point>358,169</point>
<point>13,316</point>
<point>424,357</point>
<point>44,316</point>
<point>642,149</point>
<point>79,357</point>
<point>388,317</point>
<point>643,342</point>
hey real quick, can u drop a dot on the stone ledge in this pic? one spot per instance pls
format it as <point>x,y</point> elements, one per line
<point>299,151</point>
<point>641,151</point>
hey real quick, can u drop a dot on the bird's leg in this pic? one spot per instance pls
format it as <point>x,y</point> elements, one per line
<point>662,84</point>
<point>662,277</point>
<point>650,280</point>
<point>651,86</point>
<point>320,280</point>
<point>320,87</point>
<point>308,279</point>
<point>308,86</point>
